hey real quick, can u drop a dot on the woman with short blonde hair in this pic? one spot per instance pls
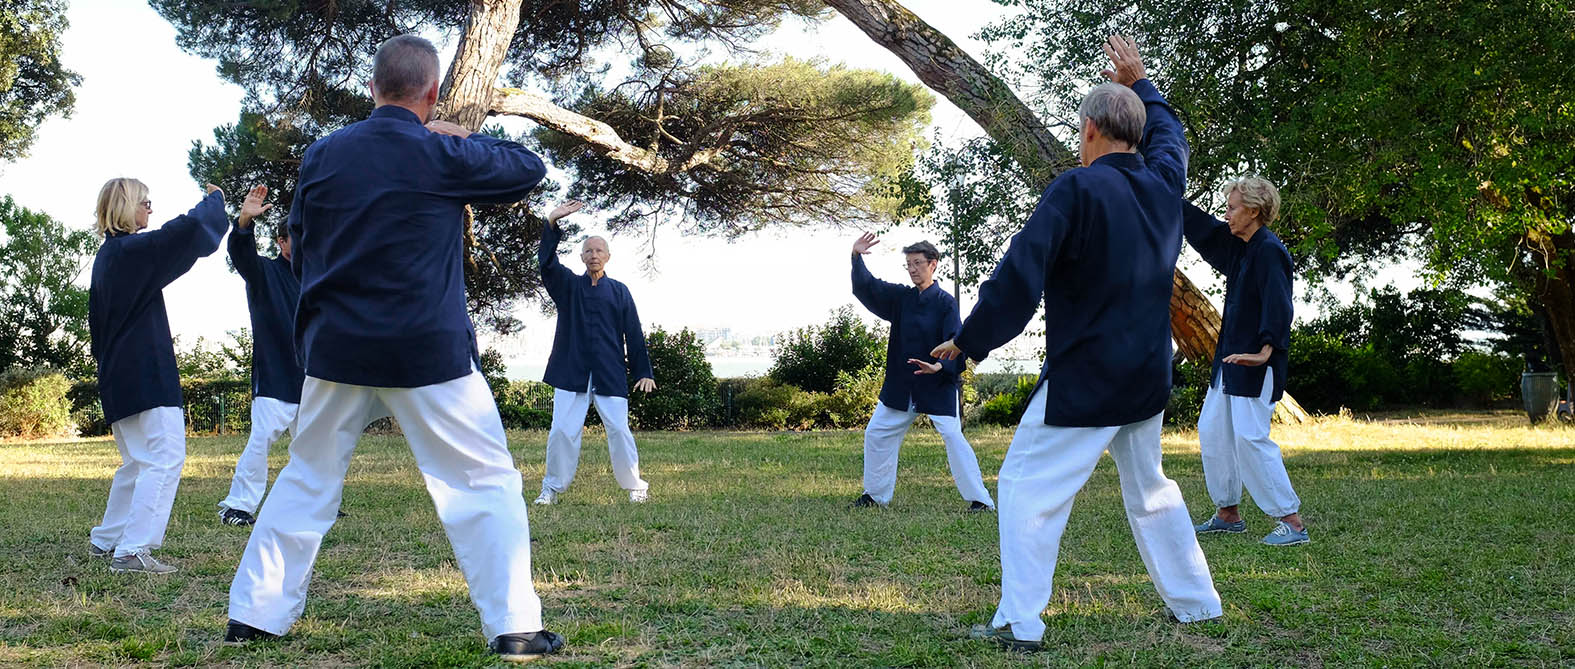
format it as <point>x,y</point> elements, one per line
<point>1259,195</point>
<point>138,383</point>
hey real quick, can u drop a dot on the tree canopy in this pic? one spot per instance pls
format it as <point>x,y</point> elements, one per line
<point>33,83</point>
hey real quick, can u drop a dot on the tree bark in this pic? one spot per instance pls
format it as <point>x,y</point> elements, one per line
<point>467,92</point>
<point>1556,292</point>
<point>950,71</point>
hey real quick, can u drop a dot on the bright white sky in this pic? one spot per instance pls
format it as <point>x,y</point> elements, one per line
<point>143,102</point>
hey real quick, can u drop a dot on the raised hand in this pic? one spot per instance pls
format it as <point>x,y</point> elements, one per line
<point>446,128</point>
<point>568,207</point>
<point>253,206</point>
<point>864,243</point>
<point>645,385</point>
<point>924,367</point>
<point>207,189</point>
<point>1126,65</point>
<point>947,351</point>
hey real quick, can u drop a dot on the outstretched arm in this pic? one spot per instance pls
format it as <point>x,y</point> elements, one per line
<point>1209,236</point>
<point>177,245</point>
<point>1164,145</point>
<point>483,169</point>
<point>553,274</point>
<point>243,242</point>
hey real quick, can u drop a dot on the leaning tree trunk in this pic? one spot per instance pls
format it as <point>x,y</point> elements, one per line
<point>950,71</point>
<point>466,96</point>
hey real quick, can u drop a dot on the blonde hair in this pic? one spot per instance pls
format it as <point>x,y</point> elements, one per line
<point>1258,193</point>
<point>117,206</point>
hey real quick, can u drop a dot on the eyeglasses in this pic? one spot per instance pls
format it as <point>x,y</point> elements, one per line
<point>147,204</point>
<point>916,264</point>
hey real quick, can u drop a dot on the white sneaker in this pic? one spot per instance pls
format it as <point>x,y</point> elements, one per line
<point>547,497</point>
<point>639,496</point>
<point>140,562</point>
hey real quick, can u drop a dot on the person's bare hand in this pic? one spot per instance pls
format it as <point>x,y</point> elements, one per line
<point>253,206</point>
<point>1126,64</point>
<point>446,128</point>
<point>1250,359</point>
<point>924,367</point>
<point>207,189</point>
<point>645,385</point>
<point>864,243</point>
<point>568,207</point>
<point>947,351</point>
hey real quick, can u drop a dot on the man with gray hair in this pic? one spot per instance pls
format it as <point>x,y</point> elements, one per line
<point>381,325</point>
<point>1248,374</point>
<point>598,326</point>
<point>1101,250</point>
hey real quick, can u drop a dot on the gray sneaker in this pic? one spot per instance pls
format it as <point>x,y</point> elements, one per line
<point>100,553</point>
<point>1215,525</point>
<point>1002,636</point>
<point>1285,535</point>
<point>141,561</point>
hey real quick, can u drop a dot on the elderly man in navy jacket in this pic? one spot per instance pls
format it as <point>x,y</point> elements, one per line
<point>915,382</point>
<point>1101,249</point>
<point>1248,375</point>
<point>376,234</point>
<point>597,326</point>
<point>271,293</point>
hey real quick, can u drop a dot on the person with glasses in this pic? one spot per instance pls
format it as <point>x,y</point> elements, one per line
<point>598,326</point>
<point>915,382</point>
<point>138,382</point>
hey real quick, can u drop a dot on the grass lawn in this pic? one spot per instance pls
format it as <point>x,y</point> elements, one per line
<point>1435,542</point>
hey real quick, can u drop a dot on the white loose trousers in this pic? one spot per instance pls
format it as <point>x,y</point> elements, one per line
<point>457,438</point>
<point>568,425</point>
<point>883,439</point>
<point>1044,469</point>
<point>152,453</point>
<point>1233,435</point>
<point>270,419</point>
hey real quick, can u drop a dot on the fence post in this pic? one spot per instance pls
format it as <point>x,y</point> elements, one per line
<point>220,428</point>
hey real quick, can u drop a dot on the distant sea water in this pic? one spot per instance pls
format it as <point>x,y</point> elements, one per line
<point>729,367</point>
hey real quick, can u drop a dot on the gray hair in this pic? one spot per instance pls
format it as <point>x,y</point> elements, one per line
<point>1258,193</point>
<point>405,67</point>
<point>925,248</point>
<point>605,245</point>
<point>1116,111</point>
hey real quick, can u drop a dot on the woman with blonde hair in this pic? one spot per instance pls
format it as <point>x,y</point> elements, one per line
<point>1248,374</point>
<point>138,383</point>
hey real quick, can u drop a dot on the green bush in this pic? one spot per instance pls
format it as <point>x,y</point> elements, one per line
<point>1189,385</point>
<point>853,401</point>
<point>686,391</point>
<point>523,405</point>
<point>766,404</point>
<point>34,404</point>
<point>1486,378</point>
<point>811,357</point>
<point>217,406</point>
<point>86,411</point>
<point>1007,408</point>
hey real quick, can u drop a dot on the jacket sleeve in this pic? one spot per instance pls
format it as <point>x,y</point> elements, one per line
<point>1164,145</point>
<point>880,297</point>
<point>634,341</point>
<point>554,276</point>
<point>487,170</point>
<point>1272,270</point>
<point>176,245</point>
<point>953,324</point>
<point>1209,236</point>
<point>1012,294</point>
<point>242,246</point>
<point>295,226</point>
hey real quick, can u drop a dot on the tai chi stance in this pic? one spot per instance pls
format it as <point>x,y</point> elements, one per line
<point>1100,248</point>
<point>597,326</point>
<point>271,293</point>
<point>376,234</point>
<point>915,382</point>
<point>138,382</point>
<point>1248,374</point>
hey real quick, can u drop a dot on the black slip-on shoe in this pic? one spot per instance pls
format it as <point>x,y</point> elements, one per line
<point>525,647</point>
<point>979,507</point>
<point>864,501</point>
<point>1002,636</point>
<point>236,633</point>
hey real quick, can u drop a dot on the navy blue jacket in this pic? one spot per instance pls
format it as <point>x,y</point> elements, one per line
<point>1258,307</point>
<point>271,293</point>
<point>596,325</point>
<point>1101,248</point>
<point>919,320</point>
<point>375,235</point>
<point>129,327</point>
